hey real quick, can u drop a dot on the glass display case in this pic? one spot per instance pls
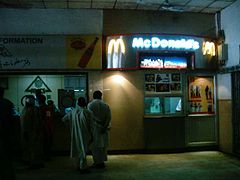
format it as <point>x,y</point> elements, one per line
<point>157,105</point>
<point>172,105</point>
<point>153,105</point>
<point>163,94</point>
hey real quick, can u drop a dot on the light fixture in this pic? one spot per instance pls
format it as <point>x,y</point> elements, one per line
<point>118,79</point>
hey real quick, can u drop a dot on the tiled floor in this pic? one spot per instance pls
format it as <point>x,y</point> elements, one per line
<point>205,165</point>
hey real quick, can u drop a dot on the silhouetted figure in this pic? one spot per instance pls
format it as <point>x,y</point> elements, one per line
<point>80,125</point>
<point>6,145</point>
<point>101,125</point>
<point>32,134</point>
<point>46,115</point>
<point>207,91</point>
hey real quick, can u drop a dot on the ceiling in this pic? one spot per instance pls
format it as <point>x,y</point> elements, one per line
<point>200,6</point>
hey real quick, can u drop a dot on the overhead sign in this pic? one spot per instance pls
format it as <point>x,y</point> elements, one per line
<point>162,43</point>
<point>122,51</point>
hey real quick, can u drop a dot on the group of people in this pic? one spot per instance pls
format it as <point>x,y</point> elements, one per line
<point>89,125</point>
<point>37,130</point>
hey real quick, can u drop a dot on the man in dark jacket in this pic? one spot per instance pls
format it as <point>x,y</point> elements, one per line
<point>7,114</point>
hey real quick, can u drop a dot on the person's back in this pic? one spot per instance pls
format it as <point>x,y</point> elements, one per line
<point>101,123</point>
<point>100,110</point>
<point>80,125</point>
<point>46,117</point>
<point>6,121</point>
<point>32,134</point>
<point>6,113</point>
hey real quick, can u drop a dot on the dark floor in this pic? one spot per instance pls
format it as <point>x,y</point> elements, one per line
<point>191,165</point>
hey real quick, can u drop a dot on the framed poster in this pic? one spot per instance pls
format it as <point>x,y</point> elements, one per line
<point>201,94</point>
<point>163,83</point>
<point>150,87</point>
<point>162,78</point>
<point>161,87</point>
<point>150,78</point>
<point>176,77</point>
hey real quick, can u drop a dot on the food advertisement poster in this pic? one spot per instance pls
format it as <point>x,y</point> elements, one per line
<point>201,95</point>
<point>84,52</point>
<point>50,52</point>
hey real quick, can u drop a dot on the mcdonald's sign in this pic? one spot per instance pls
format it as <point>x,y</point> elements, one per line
<point>115,53</point>
<point>208,48</point>
<point>123,51</point>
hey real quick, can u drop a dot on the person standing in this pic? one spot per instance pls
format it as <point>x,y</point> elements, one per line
<point>46,115</point>
<point>101,125</point>
<point>32,134</point>
<point>7,116</point>
<point>80,126</point>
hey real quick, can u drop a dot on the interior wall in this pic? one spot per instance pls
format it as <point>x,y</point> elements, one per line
<point>225,126</point>
<point>127,22</point>
<point>50,21</point>
<point>231,26</point>
<point>225,112</point>
<point>123,91</point>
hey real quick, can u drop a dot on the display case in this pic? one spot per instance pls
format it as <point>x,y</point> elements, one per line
<point>163,94</point>
<point>163,105</point>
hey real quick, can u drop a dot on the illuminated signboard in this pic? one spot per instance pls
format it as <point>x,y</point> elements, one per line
<point>151,62</point>
<point>163,61</point>
<point>162,43</point>
<point>122,51</point>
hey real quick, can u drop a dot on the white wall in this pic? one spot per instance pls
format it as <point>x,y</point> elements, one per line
<point>224,87</point>
<point>50,21</point>
<point>230,23</point>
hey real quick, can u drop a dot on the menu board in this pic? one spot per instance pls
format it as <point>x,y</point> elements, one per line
<point>163,83</point>
<point>201,95</point>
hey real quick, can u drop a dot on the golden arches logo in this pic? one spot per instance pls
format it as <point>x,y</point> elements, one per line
<point>115,44</point>
<point>208,48</point>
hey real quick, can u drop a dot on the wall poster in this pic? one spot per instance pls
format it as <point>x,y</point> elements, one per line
<point>50,52</point>
<point>162,83</point>
<point>201,94</point>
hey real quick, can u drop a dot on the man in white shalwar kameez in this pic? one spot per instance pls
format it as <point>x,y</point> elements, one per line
<point>101,125</point>
<point>80,125</point>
